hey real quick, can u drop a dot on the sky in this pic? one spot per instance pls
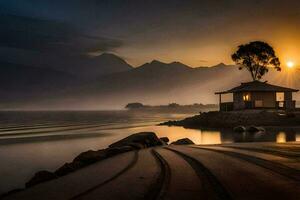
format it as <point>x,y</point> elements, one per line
<point>195,32</point>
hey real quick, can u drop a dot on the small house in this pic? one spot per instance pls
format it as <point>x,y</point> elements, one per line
<point>258,95</point>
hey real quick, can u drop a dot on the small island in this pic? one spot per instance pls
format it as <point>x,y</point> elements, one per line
<point>170,108</point>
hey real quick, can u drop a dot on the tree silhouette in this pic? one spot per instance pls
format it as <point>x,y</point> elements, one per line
<point>257,57</point>
<point>135,105</point>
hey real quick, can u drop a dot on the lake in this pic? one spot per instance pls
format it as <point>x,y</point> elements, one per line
<point>33,141</point>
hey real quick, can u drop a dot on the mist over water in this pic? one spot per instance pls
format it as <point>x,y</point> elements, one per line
<point>154,83</point>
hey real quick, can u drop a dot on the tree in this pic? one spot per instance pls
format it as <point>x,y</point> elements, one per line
<point>257,57</point>
<point>134,105</point>
<point>173,105</point>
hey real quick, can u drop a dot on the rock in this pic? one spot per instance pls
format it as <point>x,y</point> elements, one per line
<point>135,146</point>
<point>90,156</point>
<point>169,123</point>
<point>165,140</point>
<point>290,115</point>
<point>253,129</point>
<point>69,167</point>
<point>239,129</point>
<point>11,192</point>
<point>144,139</point>
<point>40,177</point>
<point>117,150</point>
<point>130,143</point>
<point>183,141</point>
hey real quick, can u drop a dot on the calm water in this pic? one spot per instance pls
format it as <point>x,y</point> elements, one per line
<point>32,141</point>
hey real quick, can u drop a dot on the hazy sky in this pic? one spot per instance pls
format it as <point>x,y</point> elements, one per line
<point>195,32</point>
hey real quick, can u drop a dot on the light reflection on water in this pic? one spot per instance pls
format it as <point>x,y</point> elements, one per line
<point>22,159</point>
<point>281,137</point>
<point>206,137</point>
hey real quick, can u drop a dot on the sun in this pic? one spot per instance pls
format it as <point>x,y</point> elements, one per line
<point>290,64</point>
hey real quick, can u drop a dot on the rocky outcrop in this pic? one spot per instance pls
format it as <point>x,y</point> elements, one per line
<point>184,141</point>
<point>40,177</point>
<point>90,156</point>
<point>165,140</point>
<point>253,129</point>
<point>68,168</point>
<point>233,119</point>
<point>239,129</point>
<point>143,140</point>
<point>133,142</point>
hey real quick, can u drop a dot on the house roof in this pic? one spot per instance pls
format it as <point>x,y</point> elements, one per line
<point>258,86</point>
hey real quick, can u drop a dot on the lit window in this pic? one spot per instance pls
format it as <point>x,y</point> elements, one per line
<point>246,97</point>
<point>281,104</point>
<point>279,96</point>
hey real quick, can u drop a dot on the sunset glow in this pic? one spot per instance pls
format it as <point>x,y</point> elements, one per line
<point>290,64</point>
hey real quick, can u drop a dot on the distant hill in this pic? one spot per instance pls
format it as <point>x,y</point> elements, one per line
<point>171,108</point>
<point>83,67</point>
<point>159,83</point>
<point>19,83</point>
<point>154,83</point>
<point>100,65</point>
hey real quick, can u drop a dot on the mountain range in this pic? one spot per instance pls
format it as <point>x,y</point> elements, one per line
<point>109,82</point>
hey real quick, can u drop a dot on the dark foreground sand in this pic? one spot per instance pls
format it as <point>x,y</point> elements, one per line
<point>229,171</point>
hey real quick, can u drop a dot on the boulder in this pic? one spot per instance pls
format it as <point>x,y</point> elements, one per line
<point>239,129</point>
<point>290,115</point>
<point>144,139</point>
<point>133,142</point>
<point>90,156</point>
<point>253,129</point>
<point>184,141</point>
<point>40,177</point>
<point>134,146</point>
<point>11,192</point>
<point>117,150</point>
<point>69,167</point>
<point>165,140</point>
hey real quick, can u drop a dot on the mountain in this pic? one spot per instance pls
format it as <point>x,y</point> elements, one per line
<point>97,66</point>
<point>160,83</point>
<point>160,67</point>
<point>19,83</point>
<point>151,83</point>
<point>83,67</point>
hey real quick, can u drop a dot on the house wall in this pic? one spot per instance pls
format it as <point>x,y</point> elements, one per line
<point>288,98</point>
<point>268,98</point>
<point>238,102</point>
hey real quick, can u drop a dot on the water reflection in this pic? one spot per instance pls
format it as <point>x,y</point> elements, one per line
<point>210,137</point>
<point>281,137</point>
<point>217,136</point>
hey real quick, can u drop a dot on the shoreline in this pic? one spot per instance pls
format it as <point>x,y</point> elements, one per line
<point>109,153</point>
<point>218,119</point>
<point>145,171</point>
<point>84,159</point>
